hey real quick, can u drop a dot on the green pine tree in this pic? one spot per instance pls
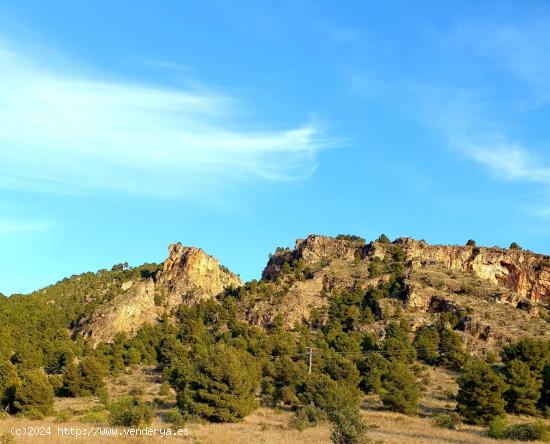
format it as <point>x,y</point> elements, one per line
<point>480,395</point>
<point>426,343</point>
<point>400,389</point>
<point>524,390</point>
<point>9,380</point>
<point>35,393</point>
<point>220,385</point>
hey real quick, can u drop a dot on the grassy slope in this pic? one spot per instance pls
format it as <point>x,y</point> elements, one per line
<point>264,425</point>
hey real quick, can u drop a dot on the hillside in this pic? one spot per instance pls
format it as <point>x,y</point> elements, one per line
<point>335,328</point>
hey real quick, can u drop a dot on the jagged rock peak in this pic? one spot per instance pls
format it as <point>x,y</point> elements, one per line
<point>189,275</point>
<point>191,269</point>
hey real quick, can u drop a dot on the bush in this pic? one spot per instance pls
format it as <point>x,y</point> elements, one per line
<point>527,432</point>
<point>164,389</point>
<point>307,416</point>
<point>340,403</point>
<point>537,431</point>
<point>349,427</point>
<point>129,412</point>
<point>480,394</point>
<point>446,421</point>
<point>103,395</point>
<point>63,415</point>
<point>399,389</point>
<point>497,428</point>
<point>35,394</point>
<point>93,417</point>
<point>176,418</point>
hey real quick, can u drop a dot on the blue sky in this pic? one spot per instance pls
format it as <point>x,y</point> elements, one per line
<point>240,126</point>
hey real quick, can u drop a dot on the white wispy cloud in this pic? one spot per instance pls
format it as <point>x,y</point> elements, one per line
<point>62,131</point>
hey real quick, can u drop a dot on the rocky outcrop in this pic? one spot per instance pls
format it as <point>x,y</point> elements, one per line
<point>188,276</point>
<point>303,278</point>
<point>125,314</point>
<point>312,250</point>
<point>520,271</point>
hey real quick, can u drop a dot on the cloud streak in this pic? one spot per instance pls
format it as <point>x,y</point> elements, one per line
<point>64,132</point>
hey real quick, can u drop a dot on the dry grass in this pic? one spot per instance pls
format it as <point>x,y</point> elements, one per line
<point>264,425</point>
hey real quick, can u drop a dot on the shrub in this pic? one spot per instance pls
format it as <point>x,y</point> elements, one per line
<point>93,417</point>
<point>164,389</point>
<point>446,421</point>
<point>103,395</point>
<point>514,246</point>
<point>471,243</point>
<point>480,394</point>
<point>399,389</point>
<point>34,394</point>
<point>307,416</point>
<point>537,431</point>
<point>63,415</point>
<point>176,418</point>
<point>349,427</point>
<point>527,432</point>
<point>129,412</point>
<point>497,428</point>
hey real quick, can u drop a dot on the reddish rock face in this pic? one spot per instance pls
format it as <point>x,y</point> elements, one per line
<point>523,272</point>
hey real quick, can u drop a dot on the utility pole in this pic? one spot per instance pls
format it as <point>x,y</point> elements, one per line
<point>310,353</point>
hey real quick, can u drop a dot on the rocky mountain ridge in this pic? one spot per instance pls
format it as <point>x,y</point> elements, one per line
<point>434,278</point>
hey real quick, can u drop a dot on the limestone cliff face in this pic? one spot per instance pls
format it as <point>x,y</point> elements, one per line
<point>189,275</point>
<point>523,272</point>
<point>313,249</point>
<point>125,314</point>
<point>437,278</point>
